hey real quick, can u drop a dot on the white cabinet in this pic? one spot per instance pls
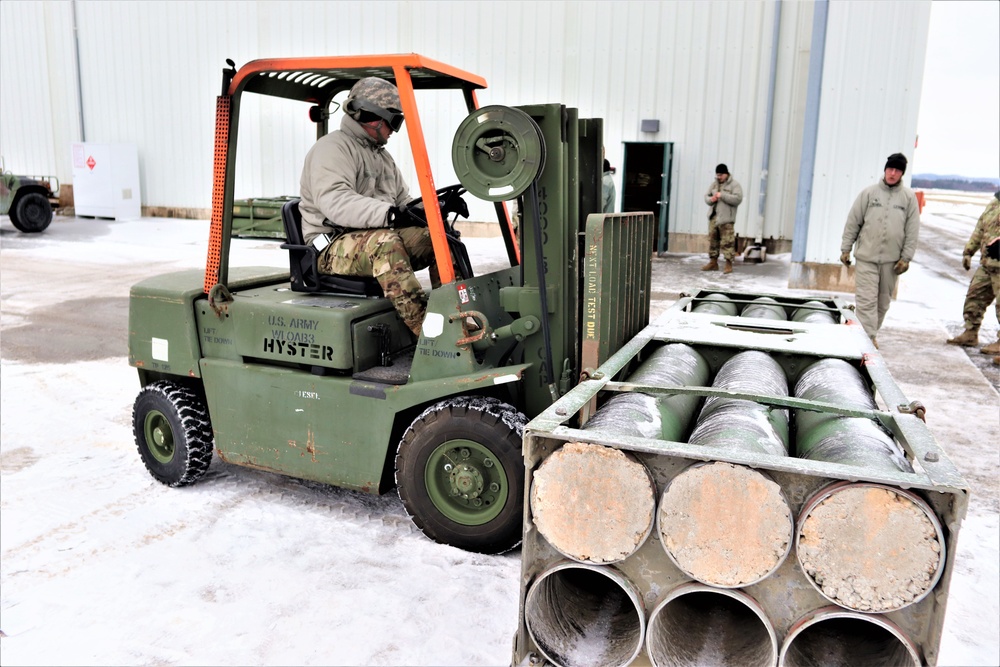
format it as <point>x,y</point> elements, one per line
<point>106,181</point>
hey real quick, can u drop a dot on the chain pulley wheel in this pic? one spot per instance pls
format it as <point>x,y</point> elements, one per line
<point>497,152</point>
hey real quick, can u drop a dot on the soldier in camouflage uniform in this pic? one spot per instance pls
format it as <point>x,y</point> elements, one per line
<point>985,285</point>
<point>352,193</point>
<point>723,197</point>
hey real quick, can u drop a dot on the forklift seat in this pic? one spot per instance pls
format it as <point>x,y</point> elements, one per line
<point>302,262</point>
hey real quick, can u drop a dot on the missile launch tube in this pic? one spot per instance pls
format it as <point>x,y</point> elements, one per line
<point>813,311</point>
<point>823,436</point>
<point>716,304</point>
<point>742,424</point>
<point>766,308</point>
<point>592,503</point>
<point>699,625</point>
<point>664,417</point>
<point>870,547</point>
<point>585,616</point>
<point>720,523</point>
<point>835,637</point>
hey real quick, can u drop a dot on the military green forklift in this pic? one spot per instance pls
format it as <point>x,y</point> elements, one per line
<point>318,378</point>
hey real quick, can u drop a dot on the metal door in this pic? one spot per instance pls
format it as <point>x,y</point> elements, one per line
<point>646,183</point>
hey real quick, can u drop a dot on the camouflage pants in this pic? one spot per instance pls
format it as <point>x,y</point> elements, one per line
<point>984,287</point>
<point>721,236</point>
<point>391,255</point>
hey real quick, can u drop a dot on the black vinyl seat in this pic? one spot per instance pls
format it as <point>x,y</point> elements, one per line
<point>302,262</point>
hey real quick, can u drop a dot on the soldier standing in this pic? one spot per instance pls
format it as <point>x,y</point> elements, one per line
<point>882,226</point>
<point>723,196</point>
<point>352,192</point>
<point>985,285</point>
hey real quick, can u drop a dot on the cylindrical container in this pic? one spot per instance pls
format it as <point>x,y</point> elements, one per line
<point>834,637</point>
<point>870,547</point>
<point>697,625</point>
<point>815,312</point>
<point>585,616</point>
<point>715,304</point>
<point>824,436</point>
<point>766,308</point>
<point>724,524</point>
<point>741,424</point>
<point>592,503</point>
<point>663,417</point>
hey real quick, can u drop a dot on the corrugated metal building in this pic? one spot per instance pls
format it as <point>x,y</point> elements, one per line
<point>802,100</point>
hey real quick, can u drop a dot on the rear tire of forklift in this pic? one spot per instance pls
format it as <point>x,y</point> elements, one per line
<point>460,474</point>
<point>31,213</point>
<point>173,433</point>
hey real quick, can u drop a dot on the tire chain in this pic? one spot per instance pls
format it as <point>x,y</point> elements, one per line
<point>197,429</point>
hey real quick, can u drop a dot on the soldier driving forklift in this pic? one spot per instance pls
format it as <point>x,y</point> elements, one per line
<point>313,373</point>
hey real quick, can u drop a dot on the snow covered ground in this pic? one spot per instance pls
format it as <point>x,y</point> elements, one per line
<point>101,565</point>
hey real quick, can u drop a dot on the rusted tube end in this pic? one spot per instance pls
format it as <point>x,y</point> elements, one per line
<point>699,625</point>
<point>724,524</point>
<point>582,615</point>
<point>835,637</point>
<point>870,547</point>
<point>593,504</point>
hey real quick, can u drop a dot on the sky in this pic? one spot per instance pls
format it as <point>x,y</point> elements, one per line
<point>959,123</point>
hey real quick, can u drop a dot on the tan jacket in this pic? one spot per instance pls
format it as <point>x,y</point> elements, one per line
<point>348,180</point>
<point>725,208</point>
<point>884,223</point>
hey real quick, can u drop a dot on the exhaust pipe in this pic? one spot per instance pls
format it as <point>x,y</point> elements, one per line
<point>699,625</point>
<point>835,637</point>
<point>593,504</point>
<point>870,547</point>
<point>582,615</point>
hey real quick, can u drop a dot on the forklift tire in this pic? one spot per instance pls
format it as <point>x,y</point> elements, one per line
<point>31,213</point>
<point>173,433</point>
<point>460,474</point>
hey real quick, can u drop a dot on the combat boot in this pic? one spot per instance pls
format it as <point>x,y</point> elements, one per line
<point>729,266</point>
<point>993,348</point>
<point>713,264</point>
<point>967,338</point>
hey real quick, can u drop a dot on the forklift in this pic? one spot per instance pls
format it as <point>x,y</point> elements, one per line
<point>317,377</point>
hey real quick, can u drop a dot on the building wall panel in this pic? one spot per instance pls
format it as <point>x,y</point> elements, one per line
<point>151,71</point>
<point>868,109</point>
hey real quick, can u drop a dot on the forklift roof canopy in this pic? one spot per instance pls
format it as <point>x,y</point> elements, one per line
<point>319,79</point>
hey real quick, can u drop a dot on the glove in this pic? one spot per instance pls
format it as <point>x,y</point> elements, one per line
<point>967,262</point>
<point>901,267</point>
<point>845,258</point>
<point>399,217</point>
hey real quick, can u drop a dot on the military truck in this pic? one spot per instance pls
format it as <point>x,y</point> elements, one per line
<point>318,378</point>
<point>26,199</point>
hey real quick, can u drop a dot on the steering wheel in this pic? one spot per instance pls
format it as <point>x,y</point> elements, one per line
<point>450,200</point>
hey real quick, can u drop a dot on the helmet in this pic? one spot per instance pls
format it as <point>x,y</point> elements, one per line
<point>377,97</point>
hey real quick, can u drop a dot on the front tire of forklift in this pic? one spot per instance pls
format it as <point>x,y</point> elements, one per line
<point>460,474</point>
<point>173,433</point>
<point>31,213</point>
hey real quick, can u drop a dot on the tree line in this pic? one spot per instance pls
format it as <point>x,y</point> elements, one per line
<point>953,184</point>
